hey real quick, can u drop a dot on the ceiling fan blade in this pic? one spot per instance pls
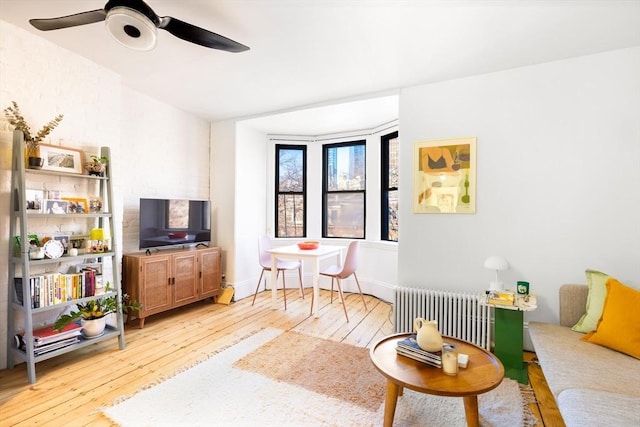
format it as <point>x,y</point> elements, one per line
<point>200,36</point>
<point>82,18</point>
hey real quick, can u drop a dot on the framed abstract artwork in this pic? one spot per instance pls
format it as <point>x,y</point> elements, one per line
<point>444,176</point>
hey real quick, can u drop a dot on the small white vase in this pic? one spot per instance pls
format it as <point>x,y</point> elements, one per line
<point>94,327</point>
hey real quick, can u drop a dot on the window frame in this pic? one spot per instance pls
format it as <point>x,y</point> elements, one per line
<point>384,185</point>
<point>326,192</point>
<point>278,193</point>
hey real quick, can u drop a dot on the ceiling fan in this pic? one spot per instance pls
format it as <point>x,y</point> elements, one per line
<point>134,24</point>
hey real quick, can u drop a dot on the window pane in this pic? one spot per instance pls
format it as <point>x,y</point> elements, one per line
<point>393,163</point>
<point>345,215</point>
<point>345,168</point>
<point>290,191</point>
<point>290,171</point>
<point>290,215</point>
<point>392,216</point>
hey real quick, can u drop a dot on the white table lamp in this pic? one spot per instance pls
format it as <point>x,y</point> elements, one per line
<point>496,263</point>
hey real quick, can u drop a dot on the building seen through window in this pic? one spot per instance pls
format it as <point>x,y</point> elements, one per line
<point>344,185</point>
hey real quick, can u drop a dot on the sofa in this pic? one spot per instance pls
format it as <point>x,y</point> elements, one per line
<point>593,385</point>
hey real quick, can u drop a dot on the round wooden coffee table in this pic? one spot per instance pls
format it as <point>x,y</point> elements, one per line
<point>483,373</point>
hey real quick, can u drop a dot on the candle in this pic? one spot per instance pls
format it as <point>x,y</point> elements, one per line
<point>449,359</point>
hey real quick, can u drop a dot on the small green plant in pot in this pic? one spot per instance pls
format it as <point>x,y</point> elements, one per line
<point>97,165</point>
<point>32,142</point>
<point>93,313</point>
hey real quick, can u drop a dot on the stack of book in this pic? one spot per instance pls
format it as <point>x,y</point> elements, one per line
<point>47,339</point>
<point>409,347</point>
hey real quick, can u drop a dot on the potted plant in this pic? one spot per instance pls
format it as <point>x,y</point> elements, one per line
<point>32,143</point>
<point>97,165</point>
<point>93,313</point>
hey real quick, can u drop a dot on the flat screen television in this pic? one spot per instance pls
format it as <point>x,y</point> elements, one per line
<point>172,222</point>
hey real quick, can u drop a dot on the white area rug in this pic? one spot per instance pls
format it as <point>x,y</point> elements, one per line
<point>215,393</point>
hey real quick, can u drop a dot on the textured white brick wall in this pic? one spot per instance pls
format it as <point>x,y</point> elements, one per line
<point>156,150</point>
<point>166,155</point>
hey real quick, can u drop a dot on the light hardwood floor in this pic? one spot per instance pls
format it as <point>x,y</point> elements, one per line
<point>71,387</point>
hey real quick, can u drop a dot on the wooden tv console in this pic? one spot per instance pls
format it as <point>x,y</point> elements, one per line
<point>170,278</point>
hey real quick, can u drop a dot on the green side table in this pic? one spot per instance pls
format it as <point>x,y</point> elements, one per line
<point>509,337</point>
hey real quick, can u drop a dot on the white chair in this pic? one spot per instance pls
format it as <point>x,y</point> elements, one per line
<point>264,244</point>
<point>339,272</point>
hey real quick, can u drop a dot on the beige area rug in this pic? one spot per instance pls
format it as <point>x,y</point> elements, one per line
<point>276,378</point>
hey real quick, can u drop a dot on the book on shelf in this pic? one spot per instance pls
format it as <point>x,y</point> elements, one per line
<point>37,351</point>
<point>48,339</point>
<point>54,288</point>
<point>409,347</point>
<point>17,281</point>
<point>48,335</point>
<point>501,297</point>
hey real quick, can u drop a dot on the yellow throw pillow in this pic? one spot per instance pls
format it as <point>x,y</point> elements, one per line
<point>619,326</point>
<point>595,301</point>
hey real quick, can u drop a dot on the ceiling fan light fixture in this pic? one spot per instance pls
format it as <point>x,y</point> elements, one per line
<point>131,28</point>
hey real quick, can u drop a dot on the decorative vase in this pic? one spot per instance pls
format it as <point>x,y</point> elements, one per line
<point>94,327</point>
<point>428,337</point>
<point>35,162</point>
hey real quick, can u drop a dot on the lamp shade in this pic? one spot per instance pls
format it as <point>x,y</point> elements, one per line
<point>496,262</point>
<point>131,28</point>
<point>97,234</point>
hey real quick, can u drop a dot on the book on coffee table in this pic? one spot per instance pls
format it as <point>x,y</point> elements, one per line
<point>409,347</point>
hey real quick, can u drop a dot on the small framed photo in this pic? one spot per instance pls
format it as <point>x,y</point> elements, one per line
<point>95,205</point>
<point>55,206</point>
<point>76,205</point>
<point>53,194</point>
<point>61,159</point>
<point>77,241</point>
<point>34,200</point>
<point>65,239</point>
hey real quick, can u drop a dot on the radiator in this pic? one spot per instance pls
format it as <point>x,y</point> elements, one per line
<point>459,314</point>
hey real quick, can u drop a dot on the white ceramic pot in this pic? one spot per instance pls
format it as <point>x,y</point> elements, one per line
<point>93,328</point>
<point>428,336</point>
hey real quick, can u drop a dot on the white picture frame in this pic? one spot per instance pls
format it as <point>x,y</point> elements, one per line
<point>34,201</point>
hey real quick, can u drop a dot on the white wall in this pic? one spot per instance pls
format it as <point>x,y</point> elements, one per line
<point>223,171</point>
<point>250,207</point>
<point>558,172</point>
<point>165,155</point>
<point>155,148</point>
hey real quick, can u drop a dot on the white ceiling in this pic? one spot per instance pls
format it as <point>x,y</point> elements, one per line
<point>316,52</point>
